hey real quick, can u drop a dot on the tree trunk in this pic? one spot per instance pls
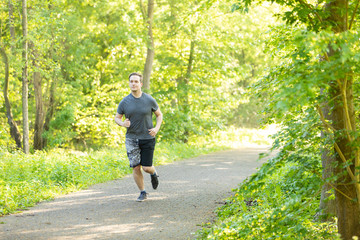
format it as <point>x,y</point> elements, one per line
<point>183,97</point>
<point>14,130</point>
<point>327,206</point>
<point>191,60</point>
<point>11,24</point>
<point>50,110</point>
<point>39,118</point>
<point>150,45</point>
<point>50,105</point>
<point>346,201</point>
<point>25,89</point>
<point>12,37</point>
<point>343,122</point>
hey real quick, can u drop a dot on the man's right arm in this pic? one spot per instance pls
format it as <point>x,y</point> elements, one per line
<point>118,120</point>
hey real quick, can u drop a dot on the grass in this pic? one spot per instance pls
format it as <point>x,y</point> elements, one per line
<point>28,179</point>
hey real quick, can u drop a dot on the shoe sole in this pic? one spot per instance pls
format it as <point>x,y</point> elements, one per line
<point>154,183</point>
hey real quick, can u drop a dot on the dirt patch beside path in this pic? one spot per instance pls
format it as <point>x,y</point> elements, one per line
<point>188,193</point>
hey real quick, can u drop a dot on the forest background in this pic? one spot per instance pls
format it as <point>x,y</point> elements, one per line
<point>66,65</point>
<point>81,53</point>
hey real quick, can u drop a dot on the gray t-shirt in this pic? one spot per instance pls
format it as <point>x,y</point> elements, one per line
<point>139,112</point>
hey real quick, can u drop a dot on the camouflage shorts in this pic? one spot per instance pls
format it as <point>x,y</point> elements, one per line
<point>140,151</point>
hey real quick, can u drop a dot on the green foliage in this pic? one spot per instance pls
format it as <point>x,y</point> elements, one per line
<point>60,132</point>
<point>317,51</point>
<point>302,78</point>
<point>5,141</point>
<point>281,200</point>
<point>224,66</point>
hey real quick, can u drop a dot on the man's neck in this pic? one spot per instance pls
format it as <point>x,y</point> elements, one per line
<point>137,94</point>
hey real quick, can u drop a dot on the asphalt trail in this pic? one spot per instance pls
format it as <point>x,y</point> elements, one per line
<point>188,193</point>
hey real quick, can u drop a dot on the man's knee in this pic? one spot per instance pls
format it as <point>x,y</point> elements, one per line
<point>148,169</point>
<point>137,169</point>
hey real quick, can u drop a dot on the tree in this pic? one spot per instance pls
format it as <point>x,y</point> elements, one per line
<point>322,30</point>
<point>14,131</point>
<point>327,205</point>
<point>11,23</point>
<point>343,126</point>
<point>39,117</point>
<point>148,17</point>
<point>25,87</point>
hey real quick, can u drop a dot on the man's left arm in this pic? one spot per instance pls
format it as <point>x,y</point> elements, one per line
<point>159,119</point>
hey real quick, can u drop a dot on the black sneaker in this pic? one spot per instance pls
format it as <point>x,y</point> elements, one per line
<point>142,197</point>
<point>154,181</point>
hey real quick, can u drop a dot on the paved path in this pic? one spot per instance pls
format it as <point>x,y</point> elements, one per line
<point>187,196</point>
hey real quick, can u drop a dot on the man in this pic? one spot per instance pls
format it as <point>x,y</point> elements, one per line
<point>137,108</point>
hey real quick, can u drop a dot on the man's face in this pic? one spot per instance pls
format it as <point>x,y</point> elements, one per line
<point>135,83</point>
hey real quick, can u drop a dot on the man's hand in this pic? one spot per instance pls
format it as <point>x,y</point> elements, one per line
<point>127,123</point>
<point>153,131</point>
<point>118,120</point>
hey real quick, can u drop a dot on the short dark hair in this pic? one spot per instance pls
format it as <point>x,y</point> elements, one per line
<point>136,74</point>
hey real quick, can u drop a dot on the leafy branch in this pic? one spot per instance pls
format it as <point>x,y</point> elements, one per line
<point>353,14</point>
<point>311,8</point>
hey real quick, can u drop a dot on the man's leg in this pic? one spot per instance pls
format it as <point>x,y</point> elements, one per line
<point>133,152</point>
<point>154,176</point>
<point>139,180</point>
<point>147,147</point>
<point>138,177</point>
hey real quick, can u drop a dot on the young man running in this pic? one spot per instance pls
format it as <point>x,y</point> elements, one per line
<point>137,108</point>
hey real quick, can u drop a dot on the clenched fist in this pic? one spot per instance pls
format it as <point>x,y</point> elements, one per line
<point>127,123</point>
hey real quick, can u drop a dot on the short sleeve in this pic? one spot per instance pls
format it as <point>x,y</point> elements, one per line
<point>154,105</point>
<point>120,109</point>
